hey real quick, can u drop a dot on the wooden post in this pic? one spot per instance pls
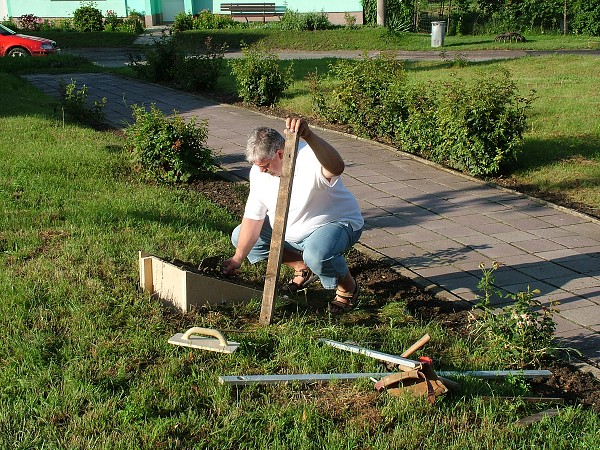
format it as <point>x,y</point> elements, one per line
<point>277,238</point>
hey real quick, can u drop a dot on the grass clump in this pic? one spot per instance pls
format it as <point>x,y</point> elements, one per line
<point>85,360</point>
<point>520,334</point>
<point>165,61</point>
<point>76,107</point>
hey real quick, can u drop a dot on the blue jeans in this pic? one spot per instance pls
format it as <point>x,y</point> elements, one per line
<point>322,251</point>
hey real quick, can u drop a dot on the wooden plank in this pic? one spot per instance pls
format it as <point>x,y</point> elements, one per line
<point>252,9</point>
<point>373,354</point>
<point>249,8</point>
<point>416,346</point>
<point>145,268</point>
<point>279,225</point>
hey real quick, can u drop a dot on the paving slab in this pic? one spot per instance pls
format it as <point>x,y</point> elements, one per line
<point>437,226</point>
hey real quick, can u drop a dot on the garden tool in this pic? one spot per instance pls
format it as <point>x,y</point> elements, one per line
<point>219,344</point>
<point>421,382</point>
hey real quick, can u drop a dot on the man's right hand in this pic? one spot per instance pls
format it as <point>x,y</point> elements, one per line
<point>231,266</point>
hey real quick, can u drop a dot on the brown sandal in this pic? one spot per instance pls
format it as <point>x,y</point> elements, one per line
<point>307,276</point>
<point>344,301</point>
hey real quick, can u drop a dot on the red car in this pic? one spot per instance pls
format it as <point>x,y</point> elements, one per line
<point>13,44</point>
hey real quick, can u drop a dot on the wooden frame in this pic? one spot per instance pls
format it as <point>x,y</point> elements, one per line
<point>185,289</point>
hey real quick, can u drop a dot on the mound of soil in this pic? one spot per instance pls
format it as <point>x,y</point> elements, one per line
<point>567,381</point>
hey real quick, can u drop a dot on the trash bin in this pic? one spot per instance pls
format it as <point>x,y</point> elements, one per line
<point>438,30</point>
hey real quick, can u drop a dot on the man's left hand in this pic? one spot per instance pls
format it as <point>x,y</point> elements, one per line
<point>298,125</point>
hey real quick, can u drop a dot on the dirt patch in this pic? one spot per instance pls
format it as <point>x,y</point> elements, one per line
<point>383,282</point>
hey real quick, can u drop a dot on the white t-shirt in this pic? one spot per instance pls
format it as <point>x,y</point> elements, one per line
<point>314,200</point>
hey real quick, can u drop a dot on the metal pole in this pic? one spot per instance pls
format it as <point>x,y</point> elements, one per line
<point>381,13</point>
<point>565,19</point>
<point>244,380</point>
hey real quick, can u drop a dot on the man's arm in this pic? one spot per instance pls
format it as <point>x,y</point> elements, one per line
<point>249,232</point>
<point>331,161</point>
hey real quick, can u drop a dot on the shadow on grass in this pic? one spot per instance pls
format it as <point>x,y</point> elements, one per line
<point>233,40</point>
<point>62,63</point>
<point>466,44</point>
<point>538,153</point>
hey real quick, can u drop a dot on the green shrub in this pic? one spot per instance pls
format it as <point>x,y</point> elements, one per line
<point>398,14</point>
<point>76,108</point>
<point>476,129</point>
<point>29,22</point>
<point>349,20</point>
<point>168,149</point>
<point>369,96</point>
<point>521,334</point>
<point>586,17</point>
<point>88,18</point>
<point>66,24</point>
<point>183,22</point>
<point>134,23</point>
<point>112,22</point>
<point>314,21</point>
<point>160,60</point>
<point>260,79</point>
<point>201,72</point>
<point>206,20</point>
<point>295,21</point>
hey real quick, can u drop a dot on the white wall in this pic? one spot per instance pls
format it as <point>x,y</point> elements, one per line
<point>3,10</point>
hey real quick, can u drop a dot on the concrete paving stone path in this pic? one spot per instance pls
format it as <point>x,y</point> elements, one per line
<point>434,225</point>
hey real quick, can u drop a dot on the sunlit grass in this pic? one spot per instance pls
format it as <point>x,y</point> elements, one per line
<point>84,357</point>
<point>367,38</point>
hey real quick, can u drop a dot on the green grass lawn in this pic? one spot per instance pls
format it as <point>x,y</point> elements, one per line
<point>85,359</point>
<point>365,38</point>
<point>359,38</point>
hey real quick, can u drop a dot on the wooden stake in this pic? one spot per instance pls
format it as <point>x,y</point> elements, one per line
<point>278,236</point>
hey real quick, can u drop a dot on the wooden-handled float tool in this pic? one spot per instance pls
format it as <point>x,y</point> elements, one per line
<point>188,339</point>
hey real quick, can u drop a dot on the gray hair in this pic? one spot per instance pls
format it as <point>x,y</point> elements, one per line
<point>262,144</point>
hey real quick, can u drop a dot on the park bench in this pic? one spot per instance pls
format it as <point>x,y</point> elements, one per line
<point>250,10</point>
